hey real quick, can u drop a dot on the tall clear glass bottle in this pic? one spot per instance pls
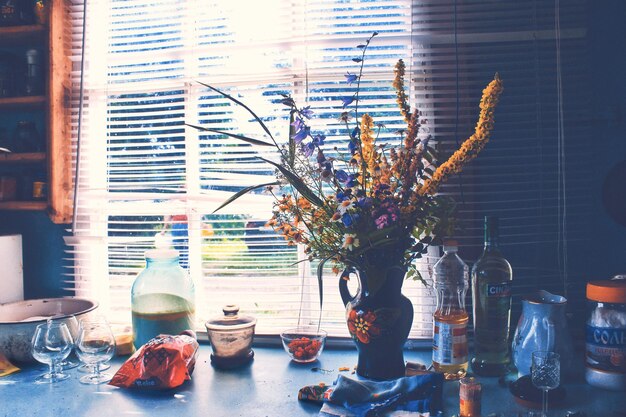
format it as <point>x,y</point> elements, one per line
<point>162,298</point>
<point>491,298</point>
<point>451,282</point>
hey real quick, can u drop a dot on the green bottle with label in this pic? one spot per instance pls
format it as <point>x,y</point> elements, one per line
<point>491,298</point>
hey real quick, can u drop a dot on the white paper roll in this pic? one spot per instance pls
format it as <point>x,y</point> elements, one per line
<point>12,271</point>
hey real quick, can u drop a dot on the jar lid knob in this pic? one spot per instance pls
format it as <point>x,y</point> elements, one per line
<point>230,310</point>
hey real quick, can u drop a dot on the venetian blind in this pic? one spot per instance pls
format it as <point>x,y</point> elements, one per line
<point>140,164</point>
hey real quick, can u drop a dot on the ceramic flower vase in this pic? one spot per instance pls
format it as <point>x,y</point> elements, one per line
<point>379,322</point>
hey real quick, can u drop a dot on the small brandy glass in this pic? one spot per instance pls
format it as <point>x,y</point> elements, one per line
<point>545,374</point>
<point>51,344</point>
<point>95,345</point>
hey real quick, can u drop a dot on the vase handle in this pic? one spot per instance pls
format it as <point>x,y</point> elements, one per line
<point>346,297</point>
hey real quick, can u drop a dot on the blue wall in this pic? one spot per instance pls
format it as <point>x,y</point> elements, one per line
<point>42,247</point>
<point>602,256</point>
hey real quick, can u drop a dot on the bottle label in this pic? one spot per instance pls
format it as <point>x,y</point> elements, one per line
<point>499,290</point>
<point>606,348</point>
<point>450,343</point>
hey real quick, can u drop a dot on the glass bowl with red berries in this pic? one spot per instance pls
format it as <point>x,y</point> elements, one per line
<point>303,345</point>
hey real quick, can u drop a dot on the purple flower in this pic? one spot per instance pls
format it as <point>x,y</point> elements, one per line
<point>306,112</point>
<point>350,78</point>
<point>347,101</point>
<point>301,134</point>
<point>382,221</point>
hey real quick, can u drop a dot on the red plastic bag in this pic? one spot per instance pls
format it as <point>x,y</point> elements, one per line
<point>162,363</point>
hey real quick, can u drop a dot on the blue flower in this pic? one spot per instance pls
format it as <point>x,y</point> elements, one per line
<point>350,78</point>
<point>298,123</point>
<point>301,134</point>
<point>306,112</point>
<point>356,132</point>
<point>307,148</point>
<point>319,139</point>
<point>364,202</point>
<point>352,147</point>
<point>347,101</point>
<point>341,175</point>
<point>349,219</point>
<point>345,179</point>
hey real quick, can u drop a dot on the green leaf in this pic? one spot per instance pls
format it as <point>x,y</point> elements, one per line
<point>320,282</point>
<point>233,99</point>
<point>242,192</point>
<point>297,183</point>
<point>232,135</point>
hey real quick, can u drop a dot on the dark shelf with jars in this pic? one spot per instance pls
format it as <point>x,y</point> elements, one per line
<point>35,157</point>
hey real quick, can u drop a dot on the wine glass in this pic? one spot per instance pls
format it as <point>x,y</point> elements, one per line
<point>52,343</point>
<point>72,325</point>
<point>95,345</point>
<point>546,374</point>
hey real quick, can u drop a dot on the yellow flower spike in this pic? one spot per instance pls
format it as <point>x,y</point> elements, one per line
<point>398,84</point>
<point>474,144</point>
<point>367,145</point>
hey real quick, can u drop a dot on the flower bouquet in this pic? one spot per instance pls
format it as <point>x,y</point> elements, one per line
<point>370,205</point>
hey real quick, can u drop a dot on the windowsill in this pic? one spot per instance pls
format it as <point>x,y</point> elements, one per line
<point>267,387</point>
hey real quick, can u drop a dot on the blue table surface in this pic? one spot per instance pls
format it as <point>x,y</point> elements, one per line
<point>268,387</point>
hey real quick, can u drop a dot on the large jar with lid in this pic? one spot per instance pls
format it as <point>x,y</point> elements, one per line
<point>162,298</point>
<point>606,334</point>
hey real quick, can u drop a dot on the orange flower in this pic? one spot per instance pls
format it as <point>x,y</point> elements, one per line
<point>361,325</point>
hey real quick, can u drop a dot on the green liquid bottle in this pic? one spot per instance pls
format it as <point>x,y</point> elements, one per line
<point>491,296</point>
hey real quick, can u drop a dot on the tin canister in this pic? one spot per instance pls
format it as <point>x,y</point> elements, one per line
<point>606,334</point>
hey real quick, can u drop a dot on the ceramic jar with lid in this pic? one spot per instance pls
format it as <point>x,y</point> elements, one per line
<point>231,338</point>
<point>606,334</point>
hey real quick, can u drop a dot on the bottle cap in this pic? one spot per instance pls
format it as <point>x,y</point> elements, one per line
<point>607,291</point>
<point>161,254</point>
<point>450,245</point>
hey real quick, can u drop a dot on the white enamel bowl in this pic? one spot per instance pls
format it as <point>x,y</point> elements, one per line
<point>18,321</point>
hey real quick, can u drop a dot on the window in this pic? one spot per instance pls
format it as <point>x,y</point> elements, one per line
<point>141,167</point>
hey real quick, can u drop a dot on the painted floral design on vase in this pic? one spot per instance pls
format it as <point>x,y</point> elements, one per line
<point>379,322</point>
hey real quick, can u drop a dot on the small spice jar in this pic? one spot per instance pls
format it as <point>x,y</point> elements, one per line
<point>469,397</point>
<point>606,334</point>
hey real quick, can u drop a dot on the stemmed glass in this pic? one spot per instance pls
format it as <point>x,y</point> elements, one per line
<point>52,343</point>
<point>95,345</point>
<point>72,325</point>
<point>546,374</point>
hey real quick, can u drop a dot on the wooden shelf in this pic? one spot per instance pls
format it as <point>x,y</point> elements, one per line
<point>21,158</point>
<point>22,35</point>
<point>24,205</point>
<point>53,40</point>
<point>22,103</point>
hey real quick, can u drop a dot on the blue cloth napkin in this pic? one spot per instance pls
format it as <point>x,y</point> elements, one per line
<point>365,398</point>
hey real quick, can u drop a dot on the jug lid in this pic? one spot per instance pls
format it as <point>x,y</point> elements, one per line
<point>607,291</point>
<point>231,320</point>
<point>544,297</point>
